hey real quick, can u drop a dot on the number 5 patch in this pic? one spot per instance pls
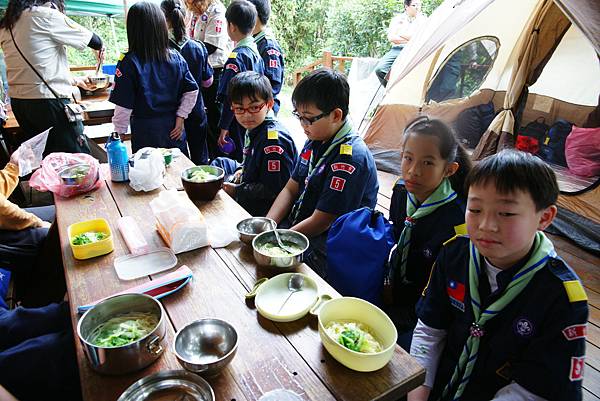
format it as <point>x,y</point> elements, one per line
<point>273,64</point>
<point>337,184</point>
<point>273,166</point>
<point>577,365</point>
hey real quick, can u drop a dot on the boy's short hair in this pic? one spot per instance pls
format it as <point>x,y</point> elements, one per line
<point>242,14</point>
<point>327,89</point>
<point>511,170</point>
<point>251,85</point>
<point>263,9</point>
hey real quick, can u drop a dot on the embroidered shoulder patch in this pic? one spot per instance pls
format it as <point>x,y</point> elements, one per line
<point>273,166</point>
<point>346,150</point>
<point>337,184</point>
<point>461,229</point>
<point>272,134</point>
<point>577,365</point>
<point>575,291</point>
<point>232,67</point>
<point>273,63</point>
<point>575,332</point>
<point>118,73</point>
<point>273,149</point>
<point>121,56</point>
<point>273,52</point>
<point>233,55</point>
<point>348,168</point>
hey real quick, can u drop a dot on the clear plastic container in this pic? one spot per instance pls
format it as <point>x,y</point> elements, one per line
<point>130,267</point>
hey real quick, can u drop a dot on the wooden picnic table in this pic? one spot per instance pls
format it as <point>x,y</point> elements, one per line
<point>270,355</point>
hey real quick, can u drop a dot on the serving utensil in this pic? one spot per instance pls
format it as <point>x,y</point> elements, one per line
<point>295,284</point>
<point>279,242</point>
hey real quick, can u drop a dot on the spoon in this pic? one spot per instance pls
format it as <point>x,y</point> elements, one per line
<point>279,242</point>
<point>295,284</point>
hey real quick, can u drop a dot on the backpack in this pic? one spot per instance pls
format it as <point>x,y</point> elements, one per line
<point>358,245</point>
<point>582,150</point>
<point>531,136</point>
<point>472,123</point>
<point>553,149</point>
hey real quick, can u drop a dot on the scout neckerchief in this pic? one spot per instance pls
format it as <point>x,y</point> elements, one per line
<point>442,195</point>
<point>543,249</point>
<point>270,117</point>
<point>343,135</point>
<point>249,43</point>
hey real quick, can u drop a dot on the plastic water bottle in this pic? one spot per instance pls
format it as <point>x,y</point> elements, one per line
<point>118,161</point>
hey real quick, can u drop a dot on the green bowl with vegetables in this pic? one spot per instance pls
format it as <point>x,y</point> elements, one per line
<point>202,182</point>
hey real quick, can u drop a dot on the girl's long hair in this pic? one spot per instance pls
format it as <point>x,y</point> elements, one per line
<point>147,32</point>
<point>175,15</point>
<point>16,7</point>
<point>450,149</point>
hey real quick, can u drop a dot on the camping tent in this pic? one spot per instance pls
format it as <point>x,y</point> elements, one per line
<point>541,61</point>
<point>88,7</point>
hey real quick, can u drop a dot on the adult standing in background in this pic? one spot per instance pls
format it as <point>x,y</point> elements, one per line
<point>402,28</point>
<point>33,35</point>
<point>208,25</point>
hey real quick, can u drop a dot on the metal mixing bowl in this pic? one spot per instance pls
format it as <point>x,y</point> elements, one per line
<point>287,261</point>
<point>169,385</point>
<point>251,227</point>
<point>206,346</point>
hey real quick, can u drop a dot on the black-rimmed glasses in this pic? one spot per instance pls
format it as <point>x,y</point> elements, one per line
<point>309,120</point>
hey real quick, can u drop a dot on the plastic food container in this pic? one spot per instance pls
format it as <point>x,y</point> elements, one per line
<point>93,249</point>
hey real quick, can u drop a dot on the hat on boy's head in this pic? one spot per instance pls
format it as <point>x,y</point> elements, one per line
<point>511,170</point>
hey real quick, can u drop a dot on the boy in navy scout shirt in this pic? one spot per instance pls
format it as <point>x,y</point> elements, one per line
<point>241,18</point>
<point>336,172</point>
<point>503,317</point>
<point>269,49</point>
<point>269,151</point>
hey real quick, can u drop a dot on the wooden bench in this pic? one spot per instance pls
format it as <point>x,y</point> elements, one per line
<point>585,265</point>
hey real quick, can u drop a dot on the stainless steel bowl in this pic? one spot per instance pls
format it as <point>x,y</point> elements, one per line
<point>206,346</point>
<point>287,262</point>
<point>130,357</point>
<point>251,227</point>
<point>169,385</point>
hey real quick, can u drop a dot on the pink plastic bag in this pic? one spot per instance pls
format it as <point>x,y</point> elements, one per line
<point>67,174</point>
<point>582,151</point>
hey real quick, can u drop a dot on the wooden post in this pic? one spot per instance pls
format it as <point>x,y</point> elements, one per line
<point>342,66</point>
<point>327,59</point>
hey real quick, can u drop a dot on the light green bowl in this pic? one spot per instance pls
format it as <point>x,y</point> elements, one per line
<point>356,309</point>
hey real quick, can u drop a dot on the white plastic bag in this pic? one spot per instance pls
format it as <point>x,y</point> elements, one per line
<point>179,221</point>
<point>30,153</point>
<point>147,171</point>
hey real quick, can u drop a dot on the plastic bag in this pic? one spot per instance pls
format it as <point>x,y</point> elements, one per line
<point>30,153</point>
<point>67,174</point>
<point>147,171</point>
<point>179,221</point>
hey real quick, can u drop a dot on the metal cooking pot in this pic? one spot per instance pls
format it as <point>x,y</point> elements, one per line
<point>126,358</point>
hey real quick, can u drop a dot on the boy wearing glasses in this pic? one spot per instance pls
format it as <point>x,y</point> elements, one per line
<point>269,153</point>
<point>241,17</point>
<point>336,172</point>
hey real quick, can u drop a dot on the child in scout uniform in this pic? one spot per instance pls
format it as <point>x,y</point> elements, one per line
<point>503,317</point>
<point>154,90</point>
<point>196,56</point>
<point>336,172</point>
<point>241,17</point>
<point>269,151</point>
<point>269,49</point>
<point>427,209</point>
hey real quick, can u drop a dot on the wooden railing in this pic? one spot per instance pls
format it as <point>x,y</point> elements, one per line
<point>328,60</point>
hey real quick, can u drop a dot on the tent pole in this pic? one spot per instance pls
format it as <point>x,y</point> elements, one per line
<point>114,35</point>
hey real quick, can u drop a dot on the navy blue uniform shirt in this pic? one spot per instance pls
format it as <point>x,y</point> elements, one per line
<point>427,237</point>
<point>268,164</point>
<point>272,56</point>
<point>196,56</point>
<point>153,91</point>
<point>344,182</point>
<point>538,340</point>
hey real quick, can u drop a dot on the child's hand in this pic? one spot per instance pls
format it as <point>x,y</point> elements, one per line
<point>177,133</point>
<point>224,134</point>
<point>229,188</point>
<point>237,177</point>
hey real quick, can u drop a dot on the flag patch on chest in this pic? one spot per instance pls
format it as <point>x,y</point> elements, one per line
<point>348,168</point>
<point>456,293</point>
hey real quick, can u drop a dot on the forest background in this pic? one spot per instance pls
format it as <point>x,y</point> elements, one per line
<point>304,29</point>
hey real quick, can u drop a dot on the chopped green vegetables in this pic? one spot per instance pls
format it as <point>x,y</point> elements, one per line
<point>354,336</point>
<point>272,249</point>
<point>201,176</point>
<point>88,237</point>
<point>123,330</point>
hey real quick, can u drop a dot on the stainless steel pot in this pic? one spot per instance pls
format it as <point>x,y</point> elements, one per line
<point>285,262</point>
<point>130,357</point>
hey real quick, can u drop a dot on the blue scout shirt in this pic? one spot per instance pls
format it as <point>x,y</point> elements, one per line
<point>196,56</point>
<point>153,91</point>
<point>538,340</point>
<point>272,56</point>
<point>345,180</point>
<point>244,57</point>
<point>428,235</point>
<point>269,159</point>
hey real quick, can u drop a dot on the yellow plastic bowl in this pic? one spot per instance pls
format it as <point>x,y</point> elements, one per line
<point>98,248</point>
<point>356,309</point>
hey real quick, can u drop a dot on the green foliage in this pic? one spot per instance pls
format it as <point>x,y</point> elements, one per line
<point>102,27</point>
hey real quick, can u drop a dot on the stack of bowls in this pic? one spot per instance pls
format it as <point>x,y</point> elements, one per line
<point>249,228</point>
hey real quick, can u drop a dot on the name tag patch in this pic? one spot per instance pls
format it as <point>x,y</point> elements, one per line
<point>577,365</point>
<point>337,184</point>
<point>273,149</point>
<point>273,52</point>
<point>575,332</point>
<point>232,67</point>
<point>348,168</point>
<point>273,166</point>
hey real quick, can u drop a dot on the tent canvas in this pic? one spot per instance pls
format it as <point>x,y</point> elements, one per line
<point>93,7</point>
<point>540,52</point>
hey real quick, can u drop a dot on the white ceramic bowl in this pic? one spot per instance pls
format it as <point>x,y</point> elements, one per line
<point>356,309</point>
